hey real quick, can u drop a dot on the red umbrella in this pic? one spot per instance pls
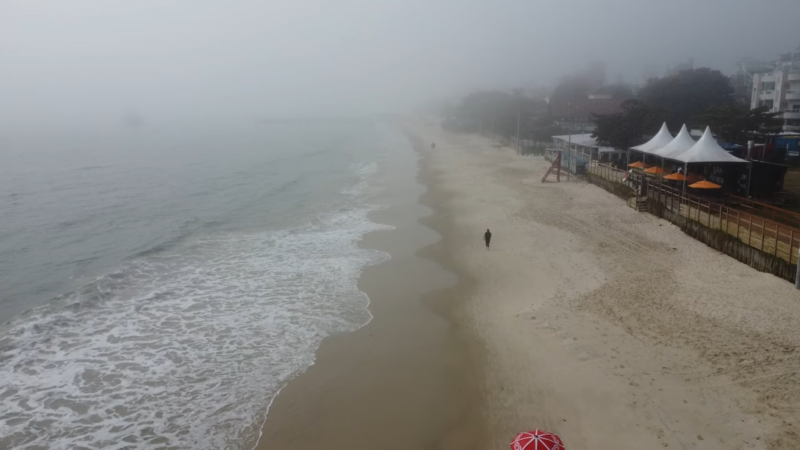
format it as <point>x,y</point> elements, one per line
<point>537,440</point>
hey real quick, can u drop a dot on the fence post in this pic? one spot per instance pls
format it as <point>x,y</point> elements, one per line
<point>709,214</point>
<point>777,237</point>
<point>738,224</point>
<point>750,230</point>
<point>720,220</point>
<point>763,233</point>
<point>791,246</point>
<point>796,274</point>
<point>699,210</point>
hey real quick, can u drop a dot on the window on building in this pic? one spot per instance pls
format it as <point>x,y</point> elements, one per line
<point>767,103</point>
<point>795,108</point>
<point>767,85</point>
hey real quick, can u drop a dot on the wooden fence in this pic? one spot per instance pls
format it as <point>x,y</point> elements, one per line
<point>766,235</point>
<point>605,171</point>
<point>779,215</point>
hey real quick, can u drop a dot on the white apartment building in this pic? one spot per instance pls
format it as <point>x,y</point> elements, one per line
<point>779,90</point>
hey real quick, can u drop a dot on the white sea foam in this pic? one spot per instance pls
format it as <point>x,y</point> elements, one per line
<point>184,348</point>
<point>364,171</point>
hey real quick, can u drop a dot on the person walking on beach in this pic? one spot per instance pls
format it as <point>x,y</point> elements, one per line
<point>487,237</point>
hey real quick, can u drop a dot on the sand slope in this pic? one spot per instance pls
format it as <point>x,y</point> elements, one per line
<point>608,326</point>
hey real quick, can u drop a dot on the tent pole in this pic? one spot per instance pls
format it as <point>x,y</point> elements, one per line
<point>685,175</point>
<point>749,176</point>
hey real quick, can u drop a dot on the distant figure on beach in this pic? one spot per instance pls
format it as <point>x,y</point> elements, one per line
<point>487,237</point>
<point>433,146</point>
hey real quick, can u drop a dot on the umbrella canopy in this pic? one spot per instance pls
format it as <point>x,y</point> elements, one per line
<point>637,165</point>
<point>537,440</point>
<point>654,170</point>
<point>704,185</point>
<point>675,177</point>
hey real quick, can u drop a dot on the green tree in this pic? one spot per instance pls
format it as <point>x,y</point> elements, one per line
<point>498,112</point>
<point>625,129</point>
<point>571,88</point>
<point>737,124</point>
<point>483,110</point>
<point>742,85</point>
<point>687,95</point>
<point>618,91</point>
<point>543,128</point>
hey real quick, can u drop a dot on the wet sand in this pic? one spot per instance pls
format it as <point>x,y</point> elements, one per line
<point>410,378</point>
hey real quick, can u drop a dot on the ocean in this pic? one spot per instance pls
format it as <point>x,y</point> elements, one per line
<point>158,287</point>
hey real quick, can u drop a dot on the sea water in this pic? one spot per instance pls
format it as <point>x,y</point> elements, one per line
<point>159,286</point>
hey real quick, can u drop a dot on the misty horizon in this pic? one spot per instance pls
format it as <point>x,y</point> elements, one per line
<point>90,62</point>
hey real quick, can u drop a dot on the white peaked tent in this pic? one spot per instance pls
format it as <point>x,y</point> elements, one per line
<point>682,142</point>
<point>706,150</point>
<point>662,138</point>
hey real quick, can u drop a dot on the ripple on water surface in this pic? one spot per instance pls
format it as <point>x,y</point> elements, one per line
<point>184,348</point>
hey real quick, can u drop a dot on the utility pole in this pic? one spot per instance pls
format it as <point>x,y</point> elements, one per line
<point>519,149</point>
<point>569,138</point>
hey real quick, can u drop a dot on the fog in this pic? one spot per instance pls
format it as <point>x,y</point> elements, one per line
<point>91,62</point>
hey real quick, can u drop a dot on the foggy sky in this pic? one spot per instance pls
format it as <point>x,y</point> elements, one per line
<point>92,61</point>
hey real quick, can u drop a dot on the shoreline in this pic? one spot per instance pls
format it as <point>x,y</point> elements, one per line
<point>407,373</point>
<point>608,327</point>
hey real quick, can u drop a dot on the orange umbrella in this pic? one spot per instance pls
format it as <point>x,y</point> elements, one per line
<point>637,165</point>
<point>675,176</point>
<point>705,185</point>
<point>654,170</point>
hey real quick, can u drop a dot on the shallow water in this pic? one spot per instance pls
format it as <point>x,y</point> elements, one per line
<point>158,290</point>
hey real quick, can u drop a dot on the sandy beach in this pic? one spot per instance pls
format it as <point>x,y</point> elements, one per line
<point>609,327</point>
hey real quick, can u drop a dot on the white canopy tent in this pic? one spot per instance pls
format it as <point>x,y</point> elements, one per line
<point>682,142</point>
<point>662,138</point>
<point>706,150</point>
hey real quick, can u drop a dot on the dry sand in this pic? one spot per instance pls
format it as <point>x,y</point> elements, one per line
<point>608,326</point>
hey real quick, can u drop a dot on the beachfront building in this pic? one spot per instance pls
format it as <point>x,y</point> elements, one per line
<point>777,86</point>
<point>584,146</point>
